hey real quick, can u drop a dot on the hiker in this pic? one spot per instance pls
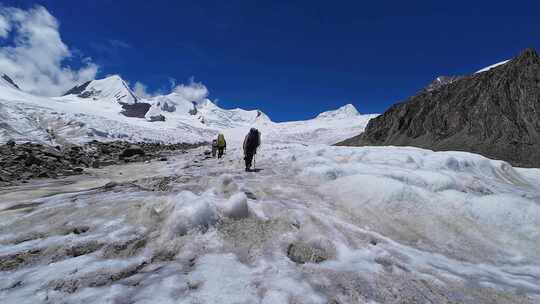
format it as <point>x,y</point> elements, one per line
<point>214,147</point>
<point>251,143</point>
<point>221,145</point>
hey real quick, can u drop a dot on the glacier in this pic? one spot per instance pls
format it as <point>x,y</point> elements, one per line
<point>394,224</point>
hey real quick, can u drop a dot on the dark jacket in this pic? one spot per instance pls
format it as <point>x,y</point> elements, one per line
<point>252,141</point>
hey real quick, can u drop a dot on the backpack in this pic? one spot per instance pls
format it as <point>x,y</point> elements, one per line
<point>253,140</point>
<point>221,141</point>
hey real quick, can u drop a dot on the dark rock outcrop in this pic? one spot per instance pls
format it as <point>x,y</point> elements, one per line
<point>138,109</point>
<point>158,117</point>
<point>167,107</point>
<point>77,90</point>
<point>10,81</point>
<point>440,82</point>
<point>194,110</point>
<point>495,113</point>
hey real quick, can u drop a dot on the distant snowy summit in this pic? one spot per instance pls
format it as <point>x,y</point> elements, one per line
<point>346,111</point>
<point>173,106</point>
<point>112,88</point>
<point>107,109</point>
<point>115,90</point>
<point>203,110</point>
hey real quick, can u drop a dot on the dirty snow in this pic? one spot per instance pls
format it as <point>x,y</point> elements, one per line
<point>395,224</point>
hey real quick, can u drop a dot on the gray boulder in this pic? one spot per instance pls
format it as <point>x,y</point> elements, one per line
<point>158,117</point>
<point>302,253</point>
<point>131,151</point>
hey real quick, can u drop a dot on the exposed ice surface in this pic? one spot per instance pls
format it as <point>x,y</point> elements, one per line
<point>390,225</point>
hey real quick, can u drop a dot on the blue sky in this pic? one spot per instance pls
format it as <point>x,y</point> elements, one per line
<point>294,59</point>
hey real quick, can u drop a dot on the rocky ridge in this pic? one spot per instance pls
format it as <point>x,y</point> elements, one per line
<point>494,113</point>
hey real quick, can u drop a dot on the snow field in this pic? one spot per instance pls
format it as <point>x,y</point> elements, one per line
<point>389,223</point>
<point>421,195</point>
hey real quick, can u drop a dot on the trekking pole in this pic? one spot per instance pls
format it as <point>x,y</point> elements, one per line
<point>254,161</point>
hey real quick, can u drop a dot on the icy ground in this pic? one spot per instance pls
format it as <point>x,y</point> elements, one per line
<point>375,225</point>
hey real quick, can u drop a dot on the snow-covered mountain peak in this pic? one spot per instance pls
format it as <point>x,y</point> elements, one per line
<point>107,109</point>
<point>178,106</point>
<point>346,111</point>
<point>112,88</point>
<point>214,116</point>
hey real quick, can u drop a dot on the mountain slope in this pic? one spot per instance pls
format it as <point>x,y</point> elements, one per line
<point>494,113</point>
<point>346,111</point>
<point>204,112</point>
<point>115,90</point>
<point>112,88</point>
<point>72,119</point>
<point>328,127</point>
<point>440,82</point>
<point>107,109</point>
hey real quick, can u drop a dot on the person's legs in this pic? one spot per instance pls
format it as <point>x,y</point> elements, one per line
<point>248,158</point>
<point>220,152</point>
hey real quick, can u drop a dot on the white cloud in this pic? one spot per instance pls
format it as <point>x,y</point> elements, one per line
<point>141,90</point>
<point>4,27</point>
<point>119,44</point>
<point>194,91</point>
<point>36,58</point>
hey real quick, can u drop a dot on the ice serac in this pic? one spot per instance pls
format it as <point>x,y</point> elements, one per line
<point>494,113</point>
